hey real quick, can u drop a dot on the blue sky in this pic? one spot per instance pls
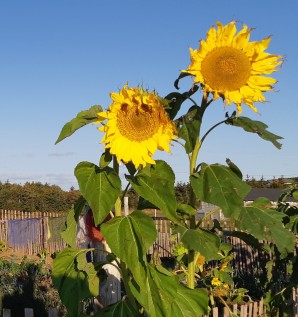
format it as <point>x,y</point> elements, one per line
<point>59,57</point>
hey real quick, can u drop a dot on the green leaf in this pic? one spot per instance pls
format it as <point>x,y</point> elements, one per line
<point>234,168</point>
<point>256,127</point>
<point>186,209</point>
<point>105,159</point>
<point>246,237</point>
<point>182,75</point>
<point>88,268</point>
<point>267,224</point>
<point>189,127</point>
<point>205,242</point>
<point>130,238</point>
<point>83,118</point>
<point>177,99</point>
<point>100,187</point>
<point>165,296</point>
<point>69,234</point>
<point>72,282</point>
<point>155,183</point>
<point>217,184</point>
<point>120,309</point>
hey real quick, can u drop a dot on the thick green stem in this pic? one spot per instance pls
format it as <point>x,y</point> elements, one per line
<point>122,265</point>
<point>192,224</point>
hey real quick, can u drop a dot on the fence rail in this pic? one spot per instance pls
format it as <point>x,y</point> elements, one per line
<point>251,309</point>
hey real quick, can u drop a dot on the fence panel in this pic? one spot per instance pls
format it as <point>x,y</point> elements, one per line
<point>28,312</point>
<point>30,233</point>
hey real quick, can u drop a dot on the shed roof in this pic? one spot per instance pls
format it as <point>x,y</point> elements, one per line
<point>272,194</point>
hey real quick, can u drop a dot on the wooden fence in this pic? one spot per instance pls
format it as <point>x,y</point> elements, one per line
<point>28,312</point>
<point>42,240</point>
<point>251,309</point>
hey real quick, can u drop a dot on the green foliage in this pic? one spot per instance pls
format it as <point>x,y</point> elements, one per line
<point>28,284</point>
<point>165,296</point>
<point>74,278</point>
<point>83,118</point>
<point>257,127</point>
<point>155,183</point>
<point>100,186</point>
<point>202,276</point>
<point>219,185</point>
<point>36,197</point>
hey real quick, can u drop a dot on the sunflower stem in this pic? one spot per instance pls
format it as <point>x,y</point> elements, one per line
<point>193,200</point>
<point>118,212</point>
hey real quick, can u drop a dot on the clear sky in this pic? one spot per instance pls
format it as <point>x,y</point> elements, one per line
<point>59,57</point>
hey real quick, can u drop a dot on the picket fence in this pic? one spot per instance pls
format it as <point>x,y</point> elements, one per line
<point>251,309</point>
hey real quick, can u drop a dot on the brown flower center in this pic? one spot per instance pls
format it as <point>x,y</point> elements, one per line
<point>138,125</point>
<point>226,68</point>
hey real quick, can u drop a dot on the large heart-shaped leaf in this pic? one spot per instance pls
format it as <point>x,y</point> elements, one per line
<point>120,309</point>
<point>219,185</point>
<point>74,278</point>
<point>155,183</point>
<point>165,296</point>
<point>205,242</point>
<point>130,238</point>
<point>100,187</point>
<point>257,127</point>
<point>267,224</point>
<point>83,118</point>
<point>69,234</point>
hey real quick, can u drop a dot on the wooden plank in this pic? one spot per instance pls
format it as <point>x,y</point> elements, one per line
<point>29,312</point>
<point>6,312</point>
<point>53,312</point>
<point>255,309</point>
<point>215,312</point>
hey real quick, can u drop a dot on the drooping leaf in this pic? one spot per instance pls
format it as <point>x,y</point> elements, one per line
<point>234,168</point>
<point>155,183</point>
<point>69,234</point>
<point>176,100</point>
<point>130,238</point>
<point>246,237</point>
<point>257,127</point>
<point>217,184</point>
<point>165,296</point>
<point>267,224</point>
<point>206,242</point>
<point>189,127</point>
<point>181,75</point>
<point>72,282</point>
<point>120,309</point>
<point>100,187</point>
<point>83,118</point>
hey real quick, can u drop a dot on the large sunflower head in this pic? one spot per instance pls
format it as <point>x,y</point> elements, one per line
<point>137,125</point>
<point>229,66</point>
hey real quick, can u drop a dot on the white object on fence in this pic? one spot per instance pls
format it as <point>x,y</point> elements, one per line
<point>126,209</point>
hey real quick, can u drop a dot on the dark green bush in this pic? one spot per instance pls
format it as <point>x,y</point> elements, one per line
<point>28,285</point>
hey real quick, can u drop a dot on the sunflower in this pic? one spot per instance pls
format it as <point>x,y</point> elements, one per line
<point>229,66</point>
<point>137,125</point>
